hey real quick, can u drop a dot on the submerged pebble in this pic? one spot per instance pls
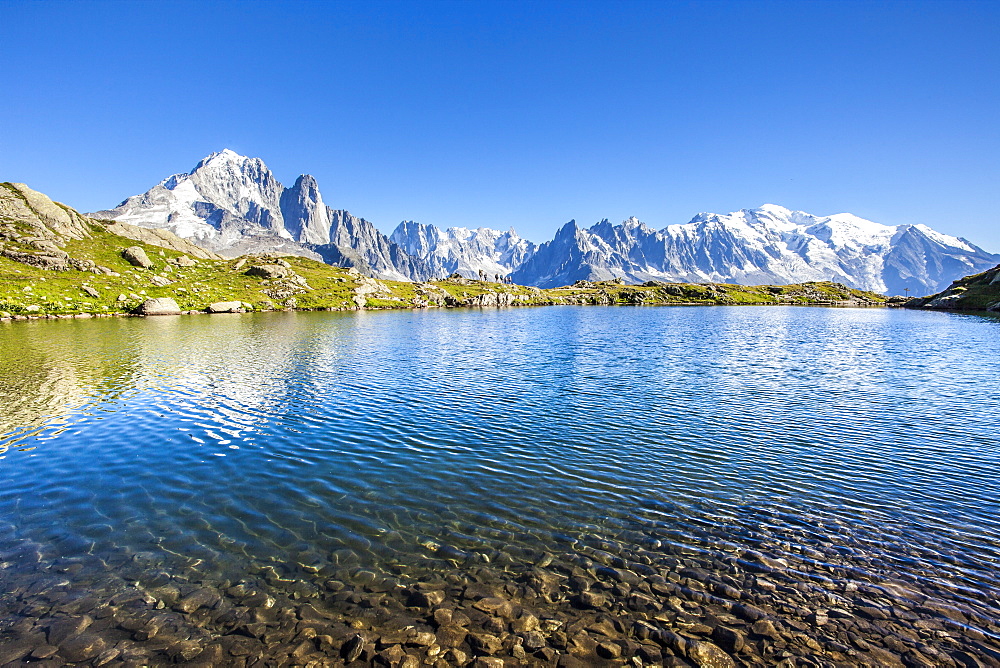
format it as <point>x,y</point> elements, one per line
<point>462,615</point>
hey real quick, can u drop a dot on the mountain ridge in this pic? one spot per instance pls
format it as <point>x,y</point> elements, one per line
<point>233,204</point>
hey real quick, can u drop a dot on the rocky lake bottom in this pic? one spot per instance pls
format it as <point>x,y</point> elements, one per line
<point>572,486</point>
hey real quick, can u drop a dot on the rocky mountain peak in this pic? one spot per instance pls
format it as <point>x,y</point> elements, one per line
<point>306,217</point>
<point>220,158</point>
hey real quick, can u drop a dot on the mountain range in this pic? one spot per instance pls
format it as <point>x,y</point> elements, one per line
<point>233,204</point>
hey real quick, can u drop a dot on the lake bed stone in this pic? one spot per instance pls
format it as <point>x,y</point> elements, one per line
<point>64,628</point>
<point>82,647</point>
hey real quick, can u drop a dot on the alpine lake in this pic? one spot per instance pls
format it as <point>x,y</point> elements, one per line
<point>559,486</point>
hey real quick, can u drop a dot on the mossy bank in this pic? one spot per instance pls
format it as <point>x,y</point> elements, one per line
<point>979,292</point>
<point>55,262</point>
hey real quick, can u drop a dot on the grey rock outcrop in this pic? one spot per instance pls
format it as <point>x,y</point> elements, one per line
<point>159,306</point>
<point>367,287</point>
<point>48,219</point>
<point>51,262</point>
<point>137,257</point>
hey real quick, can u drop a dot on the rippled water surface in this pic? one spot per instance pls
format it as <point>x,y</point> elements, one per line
<point>830,460</point>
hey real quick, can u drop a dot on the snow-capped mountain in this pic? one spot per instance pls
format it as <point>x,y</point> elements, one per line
<point>770,244</point>
<point>464,251</point>
<point>222,204</point>
<point>233,204</point>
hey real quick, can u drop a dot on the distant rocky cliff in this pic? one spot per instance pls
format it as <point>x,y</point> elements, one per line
<point>233,204</point>
<point>463,251</point>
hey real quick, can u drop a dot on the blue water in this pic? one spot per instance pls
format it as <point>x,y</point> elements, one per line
<point>862,442</point>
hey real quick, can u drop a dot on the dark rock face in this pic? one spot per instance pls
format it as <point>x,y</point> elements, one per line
<point>355,242</point>
<point>307,219</point>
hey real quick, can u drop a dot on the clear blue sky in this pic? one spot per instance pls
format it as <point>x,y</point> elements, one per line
<point>521,114</point>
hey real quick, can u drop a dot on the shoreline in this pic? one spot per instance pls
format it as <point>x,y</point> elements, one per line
<point>90,315</point>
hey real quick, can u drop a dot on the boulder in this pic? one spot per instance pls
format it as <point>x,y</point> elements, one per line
<point>707,655</point>
<point>183,261</point>
<point>159,306</point>
<point>137,257</point>
<point>91,291</point>
<point>225,307</point>
<point>267,271</point>
<point>160,281</point>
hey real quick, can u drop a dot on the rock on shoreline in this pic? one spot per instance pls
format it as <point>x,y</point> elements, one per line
<point>159,306</point>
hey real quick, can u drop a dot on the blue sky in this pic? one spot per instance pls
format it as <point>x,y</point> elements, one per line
<point>523,114</point>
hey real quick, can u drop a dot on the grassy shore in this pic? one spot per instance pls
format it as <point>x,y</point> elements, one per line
<point>54,263</point>
<point>979,292</point>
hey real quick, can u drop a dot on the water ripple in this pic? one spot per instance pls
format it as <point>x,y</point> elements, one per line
<point>861,444</point>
